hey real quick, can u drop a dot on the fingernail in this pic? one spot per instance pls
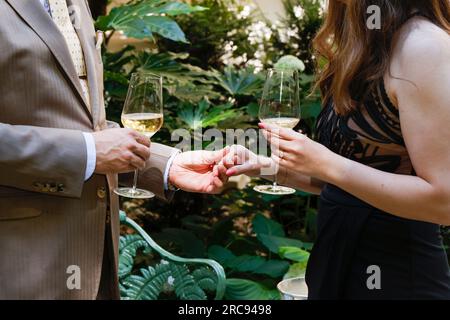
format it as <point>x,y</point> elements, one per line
<point>261,125</point>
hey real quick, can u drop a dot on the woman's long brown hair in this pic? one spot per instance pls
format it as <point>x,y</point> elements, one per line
<point>355,55</point>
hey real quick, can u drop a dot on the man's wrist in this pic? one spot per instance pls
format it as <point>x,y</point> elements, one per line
<point>168,185</point>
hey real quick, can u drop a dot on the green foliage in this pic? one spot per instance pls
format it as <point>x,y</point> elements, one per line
<point>128,247</point>
<point>205,115</point>
<point>242,289</point>
<point>247,263</point>
<point>166,279</point>
<point>259,239</point>
<point>294,254</point>
<point>246,232</point>
<point>208,31</point>
<point>148,285</point>
<point>141,19</point>
<point>241,82</point>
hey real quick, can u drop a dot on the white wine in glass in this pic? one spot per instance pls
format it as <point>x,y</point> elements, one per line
<point>146,123</point>
<point>285,122</point>
<point>280,106</point>
<point>143,112</point>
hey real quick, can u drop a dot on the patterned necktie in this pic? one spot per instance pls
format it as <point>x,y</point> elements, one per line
<point>60,14</point>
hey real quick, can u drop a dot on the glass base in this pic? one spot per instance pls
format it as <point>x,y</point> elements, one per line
<point>274,190</point>
<point>134,193</point>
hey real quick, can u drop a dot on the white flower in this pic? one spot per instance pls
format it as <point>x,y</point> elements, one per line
<point>257,64</point>
<point>245,13</point>
<point>258,32</point>
<point>299,12</point>
<point>170,281</point>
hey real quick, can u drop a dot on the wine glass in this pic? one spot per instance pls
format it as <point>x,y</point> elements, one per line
<point>143,112</point>
<point>280,105</point>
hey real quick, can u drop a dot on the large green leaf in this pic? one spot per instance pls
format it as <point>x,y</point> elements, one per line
<point>177,8</point>
<point>264,225</point>
<point>247,263</point>
<point>166,27</point>
<point>186,241</point>
<point>220,254</point>
<point>205,115</point>
<point>166,64</point>
<point>242,289</point>
<point>274,243</point>
<point>294,253</point>
<point>296,270</point>
<point>141,19</point>
<point>241,82</point>
<point>274,268</point>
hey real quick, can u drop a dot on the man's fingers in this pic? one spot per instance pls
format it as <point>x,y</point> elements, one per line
<point>137,162</point>
<point>140,138</point>
<point>222,172</point>
<point>141,151</point>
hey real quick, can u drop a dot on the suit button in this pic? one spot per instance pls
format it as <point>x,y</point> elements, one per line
<point>38,186</point>
<point>53,188</point>
<point>101,192</point>
<point>60,187</point>
<point>46,188</point>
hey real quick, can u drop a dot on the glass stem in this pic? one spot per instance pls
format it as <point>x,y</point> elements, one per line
<point>275,180</point>
<point>135,180</point>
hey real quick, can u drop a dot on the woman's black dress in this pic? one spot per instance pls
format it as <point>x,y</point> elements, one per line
<point>357,244</point>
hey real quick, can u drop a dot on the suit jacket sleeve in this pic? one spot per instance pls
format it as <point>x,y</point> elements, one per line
<point>45,160</point>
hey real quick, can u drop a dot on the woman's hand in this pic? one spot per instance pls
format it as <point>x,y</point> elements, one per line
<point>240,160</point>
<point>296,152</point>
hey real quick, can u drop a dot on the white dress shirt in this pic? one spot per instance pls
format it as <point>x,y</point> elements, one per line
<point>90,145</point>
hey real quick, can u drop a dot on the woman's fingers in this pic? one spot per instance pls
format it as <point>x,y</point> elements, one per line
<point>241,169</point>
<point>276,143</point>
<point>283,133</point>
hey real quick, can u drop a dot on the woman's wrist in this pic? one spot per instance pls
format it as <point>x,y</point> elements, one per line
<point>336,169</point>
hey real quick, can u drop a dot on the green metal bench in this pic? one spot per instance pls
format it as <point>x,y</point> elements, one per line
<point>172,278</point>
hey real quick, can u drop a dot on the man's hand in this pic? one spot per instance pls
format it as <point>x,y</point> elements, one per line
<point>120,150</point>
<point>199,171</point>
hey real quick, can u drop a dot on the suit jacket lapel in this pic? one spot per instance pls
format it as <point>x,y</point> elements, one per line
<point>39,20</point>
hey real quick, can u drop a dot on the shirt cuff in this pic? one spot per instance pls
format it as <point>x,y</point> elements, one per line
<point>167,170</point>
<point>91,158</point>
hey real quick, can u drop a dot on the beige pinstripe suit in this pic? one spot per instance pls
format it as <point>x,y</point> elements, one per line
<point>50,218</point>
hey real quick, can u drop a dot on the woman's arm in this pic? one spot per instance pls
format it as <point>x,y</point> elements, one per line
<point>424,104</point>
<point>296,180</point>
